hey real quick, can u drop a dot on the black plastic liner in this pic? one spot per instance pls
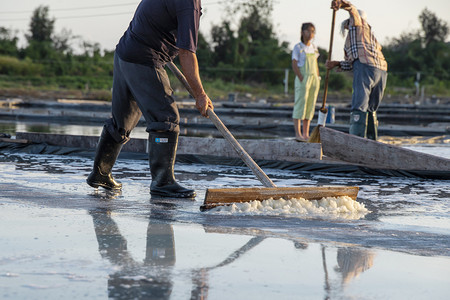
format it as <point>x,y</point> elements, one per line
<point>330,168</point>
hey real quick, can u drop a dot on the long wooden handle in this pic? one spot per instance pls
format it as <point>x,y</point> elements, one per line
<point>263,178</point>
<point>325,91</point>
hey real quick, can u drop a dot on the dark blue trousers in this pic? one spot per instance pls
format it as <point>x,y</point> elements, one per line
<point>141,90</point>
<point>368,87</point>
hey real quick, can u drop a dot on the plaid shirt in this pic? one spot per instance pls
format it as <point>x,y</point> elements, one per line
<point>361,44</point>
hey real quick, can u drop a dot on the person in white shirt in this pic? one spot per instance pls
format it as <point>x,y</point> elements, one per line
<point>307,81</point>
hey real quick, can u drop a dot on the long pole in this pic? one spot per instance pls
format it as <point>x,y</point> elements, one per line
<point>263,178</point>
<point>323,109</point>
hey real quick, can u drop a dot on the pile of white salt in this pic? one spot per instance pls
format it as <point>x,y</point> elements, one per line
<point>342,207</point>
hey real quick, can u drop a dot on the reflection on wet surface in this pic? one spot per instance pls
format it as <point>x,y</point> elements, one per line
<point>136,279</point>
<point>102,253</point>
<point>60,238</point>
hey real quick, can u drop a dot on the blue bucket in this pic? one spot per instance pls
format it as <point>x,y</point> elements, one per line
<point>330,115</point>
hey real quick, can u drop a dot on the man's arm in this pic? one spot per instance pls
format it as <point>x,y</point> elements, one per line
<point>338,4</point>
<point>355,19</point>
<point>331,64</point>
<point>189,64</point>
<point>341,65</point>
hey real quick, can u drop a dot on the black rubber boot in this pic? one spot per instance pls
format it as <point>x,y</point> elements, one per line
<point>107,152</point>
<point>162,152</point>
<point>372,126</point>
<point>358,123</point>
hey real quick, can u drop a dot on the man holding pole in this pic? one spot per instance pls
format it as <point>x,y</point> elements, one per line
<point>159,31</point>
<point>362,55</point>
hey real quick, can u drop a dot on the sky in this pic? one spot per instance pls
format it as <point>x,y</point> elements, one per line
<point>104,21</point>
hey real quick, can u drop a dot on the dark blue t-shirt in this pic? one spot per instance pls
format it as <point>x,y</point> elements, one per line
<point>158,29</point>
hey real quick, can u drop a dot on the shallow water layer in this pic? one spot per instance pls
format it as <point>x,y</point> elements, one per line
<point>66,253</point>
<point>60,238</point>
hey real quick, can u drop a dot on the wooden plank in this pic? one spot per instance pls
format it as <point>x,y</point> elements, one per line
<point>357,150</point>
<point>283,150</point>
<point>14,141</point>
<point>267,149</point>
<point>217,197</point>
<point>62,140</point>
<point>78,141</point>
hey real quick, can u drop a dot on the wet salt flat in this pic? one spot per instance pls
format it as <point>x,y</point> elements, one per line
<point>62,239</point>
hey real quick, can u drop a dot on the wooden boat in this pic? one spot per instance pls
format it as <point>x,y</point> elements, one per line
<point>357,150</point>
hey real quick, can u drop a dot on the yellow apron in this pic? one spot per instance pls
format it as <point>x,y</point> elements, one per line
<point>307,90</point>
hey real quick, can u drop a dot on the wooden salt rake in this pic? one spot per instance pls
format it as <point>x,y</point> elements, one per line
<point>226,196</point>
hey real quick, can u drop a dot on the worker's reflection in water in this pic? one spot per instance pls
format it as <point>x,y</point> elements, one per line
<point>150,279</point>
<point>353,261</point>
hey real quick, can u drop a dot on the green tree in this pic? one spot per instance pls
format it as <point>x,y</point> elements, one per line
<point>252,51</point>
<point>40,37</point>
<point>8,42</point>
<point>434,30</point>
<point>41,25</point>
<point>423,51</point>
<point>61,42</point>
<point>224,43</point>
<point>225,51</point>
<point>204,51</point>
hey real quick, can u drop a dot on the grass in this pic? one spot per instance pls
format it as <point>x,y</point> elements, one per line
<point>99,88</point>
